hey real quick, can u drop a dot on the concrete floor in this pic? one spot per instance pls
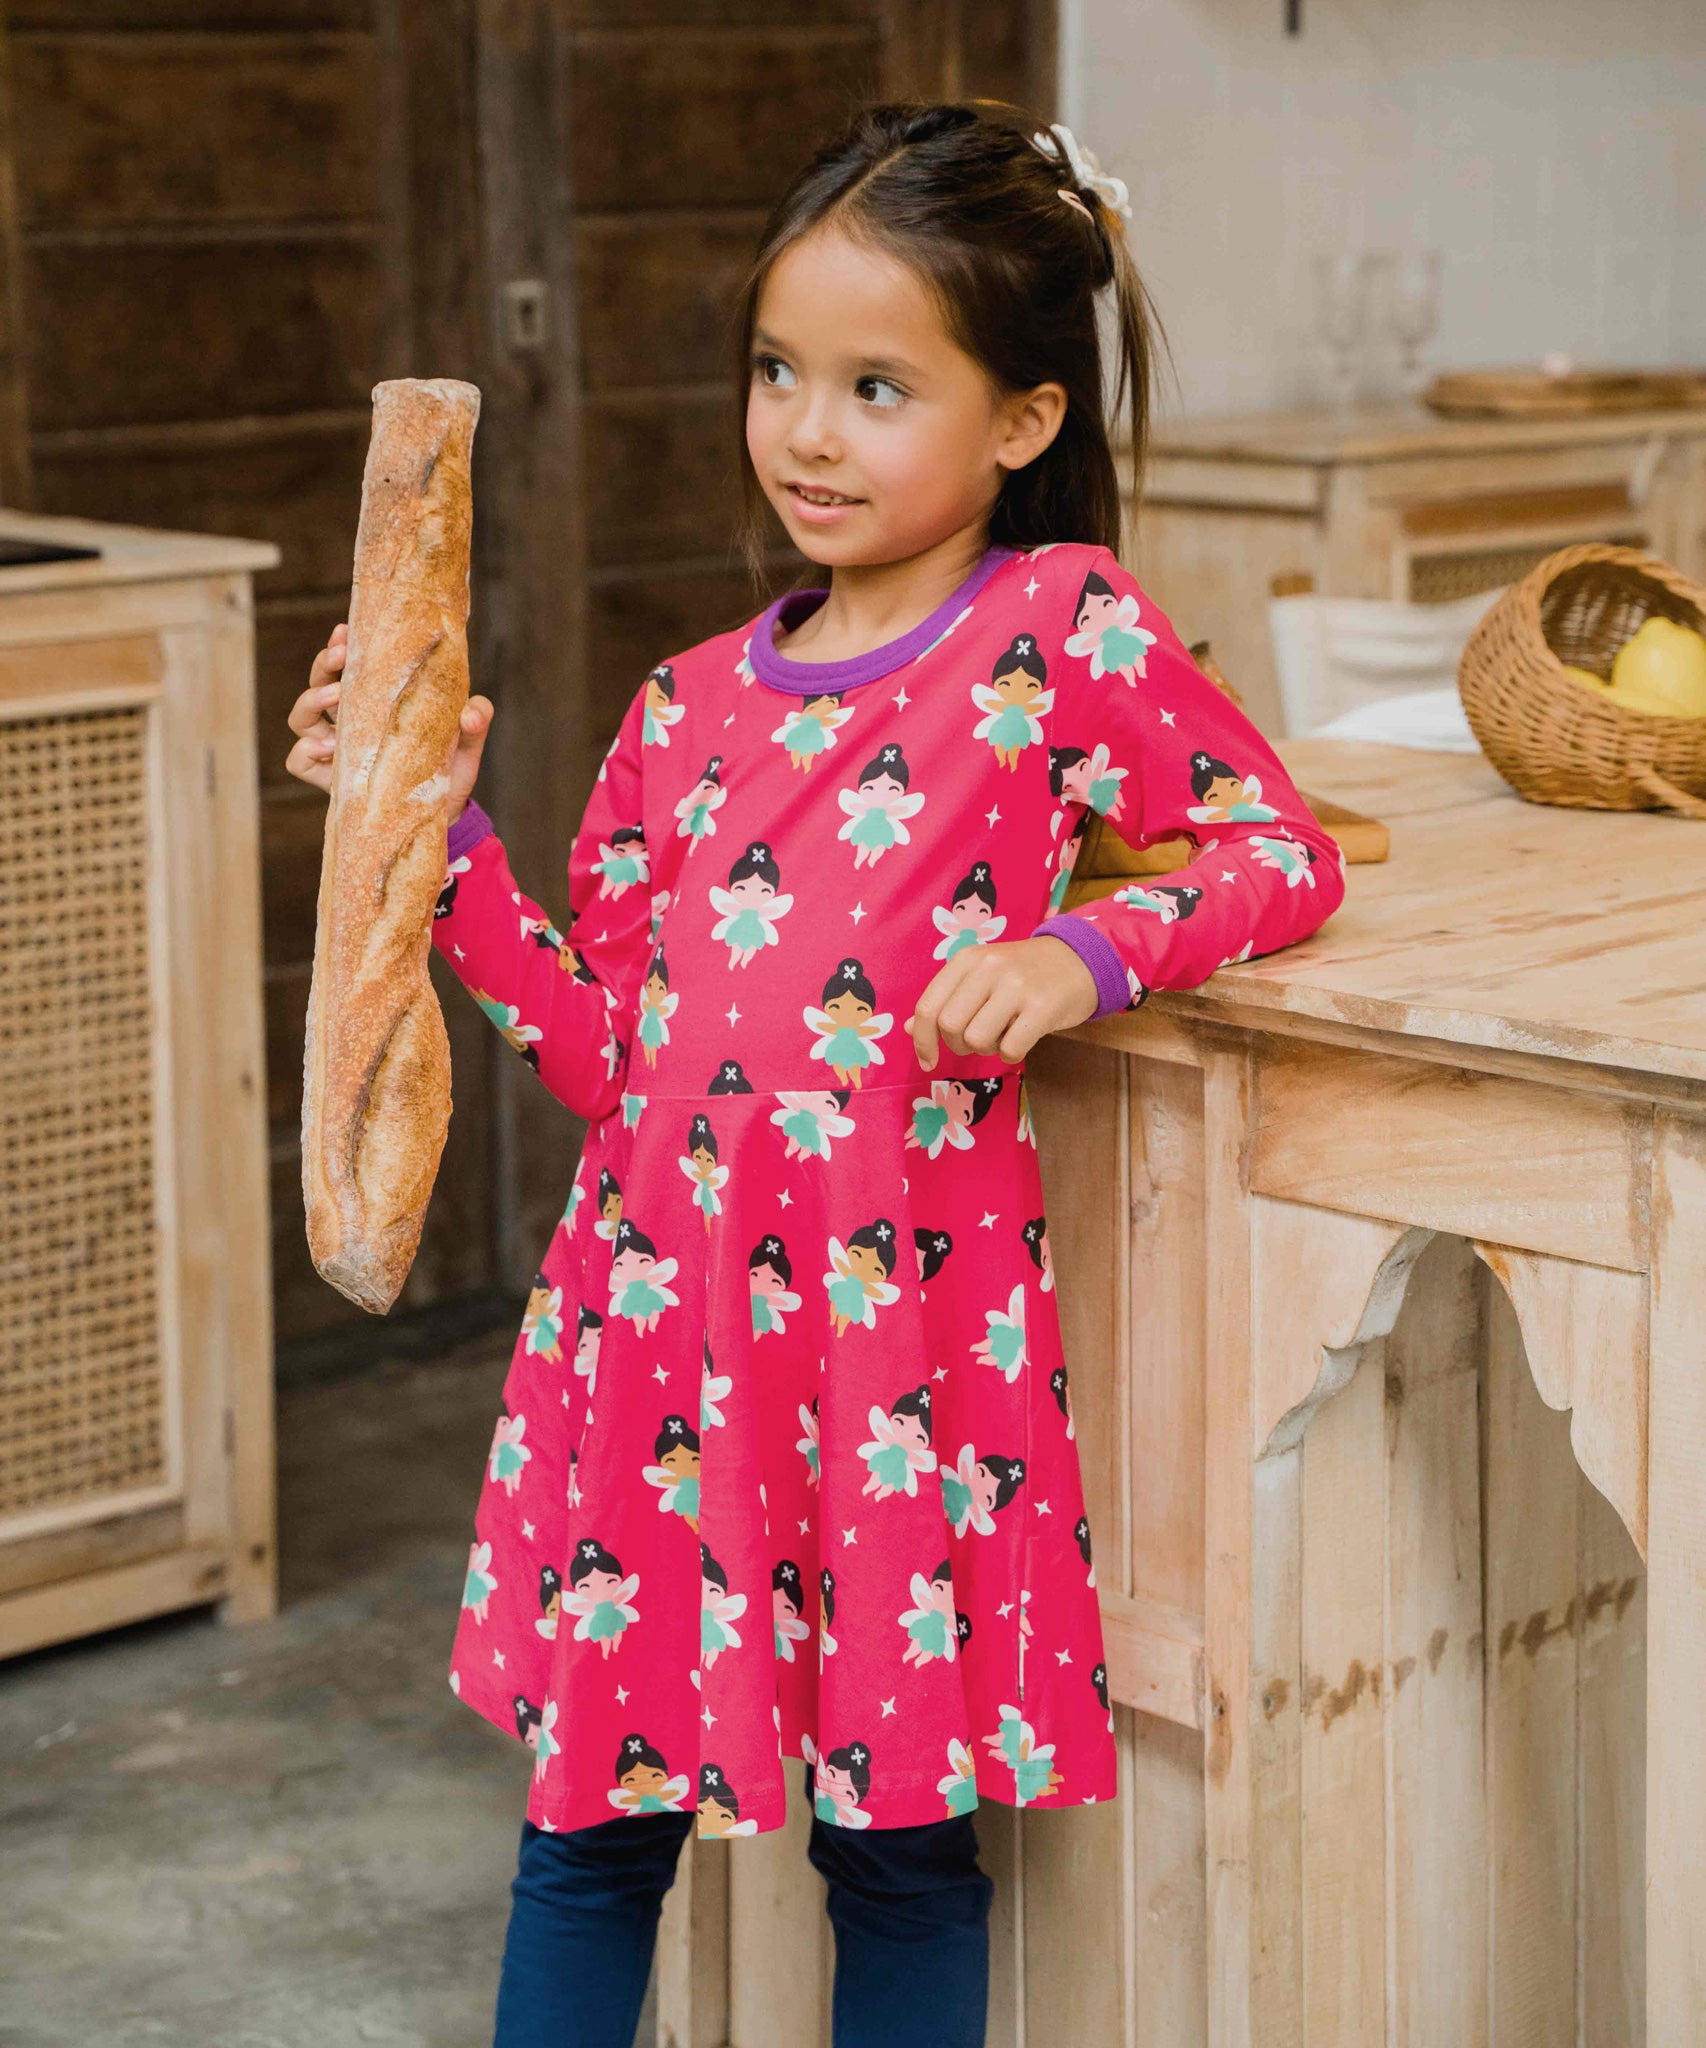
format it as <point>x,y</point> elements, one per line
<point>289,1836</point>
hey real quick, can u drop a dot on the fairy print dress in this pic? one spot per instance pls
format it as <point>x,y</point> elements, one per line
<point>786,1466</point>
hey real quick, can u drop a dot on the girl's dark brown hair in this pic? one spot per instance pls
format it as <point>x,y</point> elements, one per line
<point>962,196</point>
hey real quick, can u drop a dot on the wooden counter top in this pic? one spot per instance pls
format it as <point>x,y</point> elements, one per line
<point>1386,433</point>
<point>1511,930</point>
<point>128,554</point>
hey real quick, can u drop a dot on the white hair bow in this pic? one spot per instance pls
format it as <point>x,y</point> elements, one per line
<point>1061,146</point>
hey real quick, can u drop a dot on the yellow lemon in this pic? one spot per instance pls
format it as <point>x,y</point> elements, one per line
<point>1586,675</point>
<point>1662,669</point>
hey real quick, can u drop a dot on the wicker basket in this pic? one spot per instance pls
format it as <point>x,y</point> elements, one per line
<point>1554,740</point>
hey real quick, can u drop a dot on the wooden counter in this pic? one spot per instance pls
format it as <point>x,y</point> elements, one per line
<point>1406,1229</point>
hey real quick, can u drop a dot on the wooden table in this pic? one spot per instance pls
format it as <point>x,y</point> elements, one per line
<point>1395,1678</point>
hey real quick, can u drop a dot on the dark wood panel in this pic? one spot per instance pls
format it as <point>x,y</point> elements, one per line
<point>140,334</point>
<point>719,13</point>
<point>636,621</point>
<point>293,830</point>
<point>131,129</point>
<point>303,1304</point>
<point>661,477</point>
<point>723,116</point>
<point>96,15</point>
<point>286,999</point>
<point>658,296</point>
<point>304,494</point>
<point>286,642</point>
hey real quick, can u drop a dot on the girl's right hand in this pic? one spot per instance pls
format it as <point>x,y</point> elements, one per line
<point>314,720</point>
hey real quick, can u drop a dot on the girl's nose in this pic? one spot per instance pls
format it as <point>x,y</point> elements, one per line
<point>812,433</point>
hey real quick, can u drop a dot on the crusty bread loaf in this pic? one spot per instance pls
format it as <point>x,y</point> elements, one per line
<point>376,1066</point>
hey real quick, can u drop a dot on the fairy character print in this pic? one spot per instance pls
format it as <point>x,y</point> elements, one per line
<point>550,1602</point>
<point>729,1079</point>
<point>589,1338</point>
<point>1099,1686</point>
<point>770,1275</point>
<point>811,1119</point>
<point>969,919</point>
<point>542,1325</point>
<point>658,1003</point>
<point>696,814</point>
<point>527,1717</point>
<point>899,1449</point>
<point>1002,1344</point>
<point>932,1247</point>
<point>623,862</point>
<point>676,1472</point>
<point>479,1582</point>
<point>841,1783</point>
<point>600,1596</point>
<point>643,1780</point>
<point>858,1281</point>
<point>633,1108</point>
<point>950,1113</point>
<point>878,806</point>
<point>662,714</point>
<point>975,1489</point>
<point>507,1017</point>
<point>932,1628</point>
<point>509,1456</point>
<point>706,1175</point>
<point>1014,701</point>
<point>1065,861</point>
<point>809,732</point>
<point>1223,796</point>
<point>714,1388</point>
<point>825,1614</point>
<point>639,1279</point>
<point>1032,1763</point>
<point>788,1609</point>
<point>1076,777</point>
<point>959,1786</point>
<point>808,1446</point>
<point>609,1205</point>
<point>849,1028</point>
<point>1081,1536</point>
<point>719,1807</point>
<point>1291,857</point>
<point>447,893</point>
<point>1106,633</point>
<point>1171,902</point>
<point>748,908</point>
<point>1035,1237</point>
<point>1063,1398</point>
<point>719,1610</point>
<point>546,1745</point>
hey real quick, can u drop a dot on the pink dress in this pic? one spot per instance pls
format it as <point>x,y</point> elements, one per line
<point>786,1463</point>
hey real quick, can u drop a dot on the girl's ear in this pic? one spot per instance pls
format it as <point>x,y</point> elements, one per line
<point>1029,422</point>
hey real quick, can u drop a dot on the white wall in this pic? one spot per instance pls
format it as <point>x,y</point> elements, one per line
<point>1554,150</point>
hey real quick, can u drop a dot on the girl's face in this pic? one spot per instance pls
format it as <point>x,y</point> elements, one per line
<point>785,1606</point>
<point>611,1207</point>
<point>867,1262</point>
<point>909,1430</point>
<point>1224,789</point>
<point>586,1351</point>
<point>1075,782</point>
<point>1015,686</point>
<point>599,1585</point>
<point>821,707</point>
<point>643,1778</point>
<point>701,792</point>
<point>631,1265</point>
<point>849,1011</point>
<point>960,1102</point>
<point>985,1486</point>
<point>656,698</point>
<point>703,1161</point>
<point>838,1784</point>
<point>717,1819</point>
<point>971,912</point>
<point>1096,611</point>
<point>656,989</point>
<point>709,1592</point>
<point>859,391</point>
<point>680,1459</point>
<point>767,1281</point>
<point>1047,1255</point>
<point>825,1104</point>
<point>751,889</point>
<point>881,789</point>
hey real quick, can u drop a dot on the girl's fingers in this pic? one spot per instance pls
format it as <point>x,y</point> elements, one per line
<point>311,765</point>
<point>983,1029</point>
<point>924,1022</point>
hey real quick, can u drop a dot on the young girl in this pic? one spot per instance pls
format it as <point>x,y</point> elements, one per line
<point>923,392</point>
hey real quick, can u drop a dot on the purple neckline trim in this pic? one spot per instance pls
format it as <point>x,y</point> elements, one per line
<point>818,678</point>
<point>467,832</point>
<point>1099,954</point>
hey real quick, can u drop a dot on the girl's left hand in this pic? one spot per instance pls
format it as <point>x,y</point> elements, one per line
<point>1002,999</point>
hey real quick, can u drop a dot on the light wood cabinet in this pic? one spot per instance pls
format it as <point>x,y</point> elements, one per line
<point>1395,504</point>
<point>136,1444</point>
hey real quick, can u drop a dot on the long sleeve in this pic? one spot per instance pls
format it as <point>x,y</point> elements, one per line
<point>1139,736</point>
<point>566,1002</point>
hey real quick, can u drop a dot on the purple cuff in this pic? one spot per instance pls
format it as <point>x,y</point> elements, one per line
<point>468,831</point>
<point>1097,951</point>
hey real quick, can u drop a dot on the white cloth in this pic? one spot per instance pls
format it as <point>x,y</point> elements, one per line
<point>1369,669</point>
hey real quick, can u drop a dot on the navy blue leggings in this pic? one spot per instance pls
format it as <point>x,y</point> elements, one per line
<point>909,1906</point>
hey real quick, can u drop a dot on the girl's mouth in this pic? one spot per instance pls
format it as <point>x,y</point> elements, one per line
<point>818,507</point>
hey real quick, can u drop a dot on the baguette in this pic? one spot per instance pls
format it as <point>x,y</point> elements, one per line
<point>376,1060</point>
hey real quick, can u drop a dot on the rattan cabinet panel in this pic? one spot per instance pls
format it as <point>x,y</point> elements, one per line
<point>135,1352</point>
